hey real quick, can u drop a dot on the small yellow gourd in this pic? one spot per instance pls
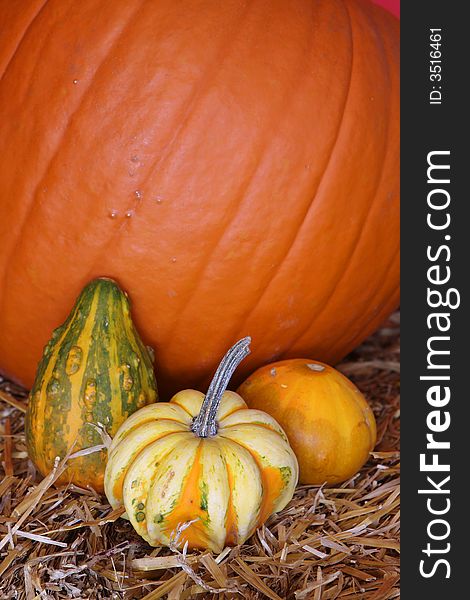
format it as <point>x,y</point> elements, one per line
<point>328,421</point>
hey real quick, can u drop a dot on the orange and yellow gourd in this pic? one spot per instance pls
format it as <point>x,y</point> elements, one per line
<point>328,421</point>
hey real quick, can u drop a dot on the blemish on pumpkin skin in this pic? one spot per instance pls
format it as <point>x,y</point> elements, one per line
<point>164,490</point>
<point>89,401</point>
<point>204,496</point>
<point>74,360</point>
<point>127,381</point>
<point>315,367</point>
<point>286,474</point>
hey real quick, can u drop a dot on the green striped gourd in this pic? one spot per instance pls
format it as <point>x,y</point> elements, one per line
<point>95,369</point>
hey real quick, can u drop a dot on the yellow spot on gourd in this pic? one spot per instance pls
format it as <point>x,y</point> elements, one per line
<point>74,360</point>
<point>127,381</point>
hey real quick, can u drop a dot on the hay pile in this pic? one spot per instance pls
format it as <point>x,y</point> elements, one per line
<point>329,542</point>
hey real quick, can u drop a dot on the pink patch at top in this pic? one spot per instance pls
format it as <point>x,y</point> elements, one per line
<point>392,6</point>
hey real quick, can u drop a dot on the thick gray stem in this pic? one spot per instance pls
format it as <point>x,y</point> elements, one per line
<point>205,424</point>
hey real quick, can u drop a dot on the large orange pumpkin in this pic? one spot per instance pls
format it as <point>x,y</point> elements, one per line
<point>234,165</point>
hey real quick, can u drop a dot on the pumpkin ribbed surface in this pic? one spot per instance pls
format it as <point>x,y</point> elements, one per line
<point>95,369</point>
<point>224,486</point>
<point>234,165</point>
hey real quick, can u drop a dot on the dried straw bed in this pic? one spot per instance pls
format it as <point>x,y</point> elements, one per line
<point>329,542</point>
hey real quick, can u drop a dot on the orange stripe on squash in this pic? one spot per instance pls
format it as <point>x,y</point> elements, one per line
<point>188,508</point>
<point>272,487</point>
<point>231,529</point>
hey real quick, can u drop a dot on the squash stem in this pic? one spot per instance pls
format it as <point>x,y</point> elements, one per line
<point>205,424</point>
